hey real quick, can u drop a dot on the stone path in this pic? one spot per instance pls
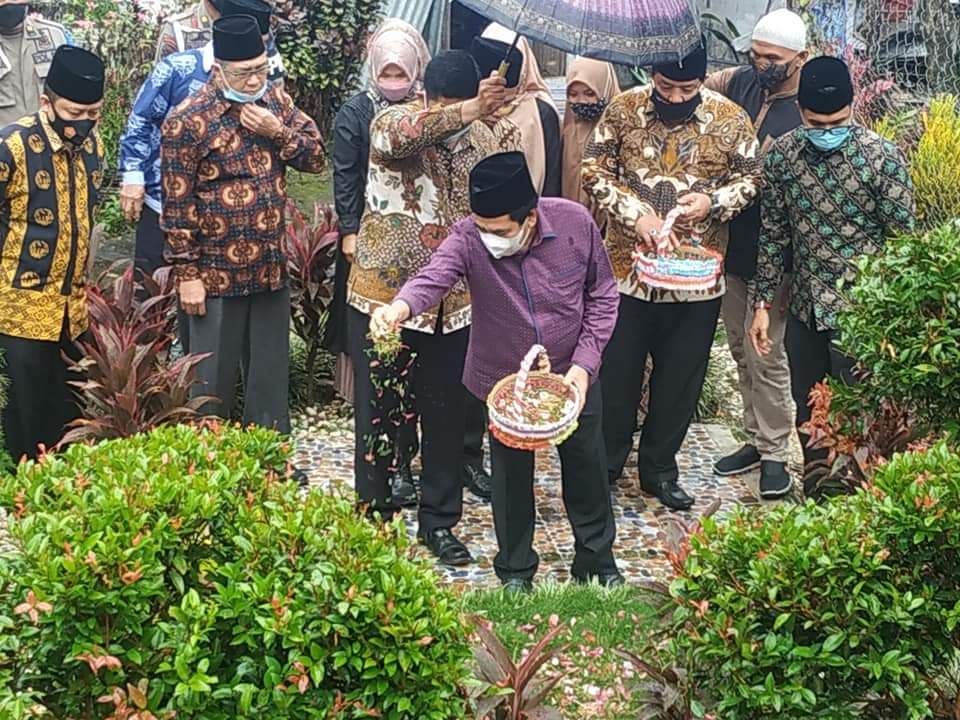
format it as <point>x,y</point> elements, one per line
<point>327,454</point>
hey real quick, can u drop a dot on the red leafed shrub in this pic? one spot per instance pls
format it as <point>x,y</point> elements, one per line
<point>310,245</point>
<point>129,381</point>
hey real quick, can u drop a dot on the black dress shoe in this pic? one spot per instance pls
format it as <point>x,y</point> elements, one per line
<point>742,461</point>
<point>476,480</point>
<point>517,586</point>
<point>612,579</point>
<point>774,480</point>
<point>446,547</point>
<point>402,488</point>
<point>670,494</point>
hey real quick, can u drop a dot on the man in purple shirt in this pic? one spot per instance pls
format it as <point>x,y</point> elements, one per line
<point>538,274</point>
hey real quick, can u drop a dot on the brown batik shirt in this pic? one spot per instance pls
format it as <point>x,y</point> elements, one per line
<point>417,188</point>
<point>224,191</point>
<point>636,165</point>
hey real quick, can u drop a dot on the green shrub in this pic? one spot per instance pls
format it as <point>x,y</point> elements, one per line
<point>178,571</point>
<point>903,326</point>
<point>813,611</point>
<point>6,464</point>
<point>323,45</point>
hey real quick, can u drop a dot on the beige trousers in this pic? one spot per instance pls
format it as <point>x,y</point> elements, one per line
<point>764,380</point>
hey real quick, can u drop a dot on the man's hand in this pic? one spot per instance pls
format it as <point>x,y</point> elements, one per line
<point>193,297</point>
<point>387,318</point>
<point>759,331</point>
<point>580,379</point>
<point>131,201</point>
<point>260,121</point>
<point>695,206</point>
<point>648,229</point>
<point>348,246</point>
<point>490,98</point>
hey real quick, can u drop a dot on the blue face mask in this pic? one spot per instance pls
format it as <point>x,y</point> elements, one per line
<point>243,98</point>
<point>828,139</point>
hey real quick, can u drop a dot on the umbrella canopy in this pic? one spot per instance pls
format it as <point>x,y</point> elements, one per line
<point>629,32</point>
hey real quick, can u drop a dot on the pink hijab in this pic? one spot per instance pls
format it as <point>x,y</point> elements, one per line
<point>396,42</point>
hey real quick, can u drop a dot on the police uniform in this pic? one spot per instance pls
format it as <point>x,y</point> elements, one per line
<point>25,58</point>
<point>49,188</point>
<point>187,30</point>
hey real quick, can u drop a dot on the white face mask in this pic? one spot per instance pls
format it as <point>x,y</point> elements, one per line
<point>501,247</point>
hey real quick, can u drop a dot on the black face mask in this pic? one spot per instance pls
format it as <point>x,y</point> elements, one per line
<point>81,129</point>
<point>773,75</point>
<point>13,15</point>
<point>675,113</point>
<point>589,111</point>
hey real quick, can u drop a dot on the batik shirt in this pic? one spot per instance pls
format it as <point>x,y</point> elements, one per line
<point>636,165</point>
<point>831,208</point>
<point>48,194</point>
<point>224,191</point>
<point>172,80</point>
<point>417,188</point>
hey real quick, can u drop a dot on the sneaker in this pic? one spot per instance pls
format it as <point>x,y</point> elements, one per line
<point>742,461</point>
<point>774,480</point>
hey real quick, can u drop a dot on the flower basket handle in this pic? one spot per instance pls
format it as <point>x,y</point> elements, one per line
<point>537,352</point>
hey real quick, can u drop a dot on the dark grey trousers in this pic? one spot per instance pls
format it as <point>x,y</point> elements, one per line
<point>252,333</point>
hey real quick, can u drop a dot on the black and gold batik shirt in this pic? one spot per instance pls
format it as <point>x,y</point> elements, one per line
<point>48,192</point>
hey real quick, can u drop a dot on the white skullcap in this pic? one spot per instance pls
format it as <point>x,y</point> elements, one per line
<point>783,28</point>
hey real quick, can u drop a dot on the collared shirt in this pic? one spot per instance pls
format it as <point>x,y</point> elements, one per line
<point>773,115</point>
<point>25,58</point>
<point>831,208</point>
<point>188,30</point>
<point>417,188</point>
<point>560,294</point>
<point>225,191</point>
<point>636,165</point>
<point>50,190</point>
<point>172,80</point>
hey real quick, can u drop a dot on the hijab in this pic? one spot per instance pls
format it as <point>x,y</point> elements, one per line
<point>600,77</point>
<point>396,42</point>
<point>522,112</point>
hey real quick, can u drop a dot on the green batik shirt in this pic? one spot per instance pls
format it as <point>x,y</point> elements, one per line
<point>830,208</point>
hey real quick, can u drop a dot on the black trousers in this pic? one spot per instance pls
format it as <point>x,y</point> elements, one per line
<point>813,357</point>
<point>436,383</point>
<point>678,337</point>
<point>476,428</point>
<point>39,400</point>
<point>148,258</point>
<point>585,495</point>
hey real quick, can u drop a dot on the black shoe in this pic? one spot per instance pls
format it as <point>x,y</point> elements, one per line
<point>774,480</point>
<point>742,461</point>
<point>446,547</point>
<point>300,477</point>
<point>517,586</point>
<point>612,579</point>
<point>476,480</point>
<point>670,494</point>
<point>402,488</point>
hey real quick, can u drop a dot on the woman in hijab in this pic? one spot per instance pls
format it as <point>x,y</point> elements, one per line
<point>396,57</point>
<point>591,85</point>
<point>530,121</point>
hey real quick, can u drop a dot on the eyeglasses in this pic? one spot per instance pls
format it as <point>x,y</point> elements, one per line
<point>259,71</point>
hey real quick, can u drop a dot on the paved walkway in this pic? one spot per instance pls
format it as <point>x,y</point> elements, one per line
<point>328,455</point>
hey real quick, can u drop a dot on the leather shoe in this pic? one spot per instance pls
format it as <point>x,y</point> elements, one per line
<point>402,488</point>
<point>670,494</point>
<point>742,461</point>
<point>774,480</point>
<point>300,477</point>
<point>478,482</point>
<point>517,586</point>
<point>446,547</point>
<point>611,579</point>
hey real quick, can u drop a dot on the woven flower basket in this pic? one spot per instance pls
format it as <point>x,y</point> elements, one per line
<point>533,409</point>
<point>689,267</point>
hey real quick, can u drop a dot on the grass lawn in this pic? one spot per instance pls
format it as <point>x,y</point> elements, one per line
<point>596,683</point>
<point>304,188</point>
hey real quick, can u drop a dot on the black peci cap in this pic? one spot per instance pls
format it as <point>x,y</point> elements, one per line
<point>237,38</point>
<point>501,184</point>
<point>825,86</point>
<point>76,75</point>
